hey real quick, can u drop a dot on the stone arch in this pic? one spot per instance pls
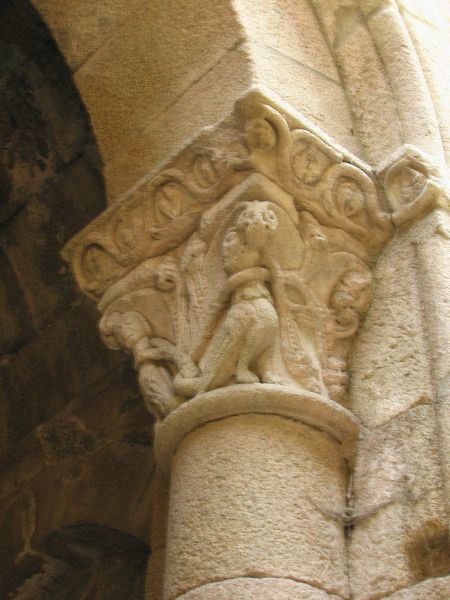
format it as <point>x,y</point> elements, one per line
<point>150,78</point>
<point>140,78</point>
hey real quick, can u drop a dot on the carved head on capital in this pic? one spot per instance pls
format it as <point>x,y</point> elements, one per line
<point>349,197</point>
<point>256,222</point>
<point>260,134</point>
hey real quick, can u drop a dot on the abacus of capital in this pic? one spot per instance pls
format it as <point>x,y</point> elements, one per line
<point>237,278</point>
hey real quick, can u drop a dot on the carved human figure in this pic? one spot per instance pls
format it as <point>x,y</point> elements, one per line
<point>243,344</point>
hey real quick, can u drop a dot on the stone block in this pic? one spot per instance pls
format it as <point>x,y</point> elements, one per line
<point>372,104</point>
<point>290,28</point>
<point>316,96</point>
<point>81,27</point>
<point>207,101</point>
<point>390,365</point>
<point>126,83</point>
<point>433,589</point>
<point>400,533</point>
<point>265,588</point>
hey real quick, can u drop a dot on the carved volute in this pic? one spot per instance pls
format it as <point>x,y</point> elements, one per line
<point>247,261</point>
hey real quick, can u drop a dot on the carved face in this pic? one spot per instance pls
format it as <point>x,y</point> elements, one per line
<point>260,134</point>
<point>350,297</point>
<point>256,222</point>
<point>349,197</point>
<point>309,164</point>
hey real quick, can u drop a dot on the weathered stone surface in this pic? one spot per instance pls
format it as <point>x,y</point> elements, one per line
<point>263,588</point>
<point>80,27</point>
<point>143,155</point>
<point>390,366</point>
<point>66,359</point>
<point>433,589</point>
<point>33,245</point>
<point>371,100</point>
<point>97,452</point>
<point>43,124</point>
<point>416,111</point>
<point>258,496</point>
<point>399,507</point>
<point>429,34</point>
<point>15,325</point>
<point>291,29</point>
<point>317,96</point>
<point>196,35</point>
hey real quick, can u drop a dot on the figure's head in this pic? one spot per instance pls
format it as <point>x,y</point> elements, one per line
<point>122,330</point>
<point>256,223</point>
<point>260,134</point>
<point>349,197</point>
<point>351,297</point>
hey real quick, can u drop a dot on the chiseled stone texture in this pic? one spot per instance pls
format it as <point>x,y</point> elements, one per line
<point>265,588</point>
<point>256,495</point>
<point>427,24</point>
<point>80,27</point>
<point>141,81</point>
<point>390,366</point>
<point>432,589</point>
<point>400,520</point>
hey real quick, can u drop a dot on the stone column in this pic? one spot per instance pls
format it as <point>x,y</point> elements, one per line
<point>237,278</point>
<point>400,367</point>
<point>258,494</point>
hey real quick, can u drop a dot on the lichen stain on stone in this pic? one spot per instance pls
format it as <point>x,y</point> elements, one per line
<point>429,552</point>
<point>63,438</point>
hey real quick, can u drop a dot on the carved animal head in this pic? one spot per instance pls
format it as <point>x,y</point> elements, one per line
<point>124,330</point>
<point>256,223</point>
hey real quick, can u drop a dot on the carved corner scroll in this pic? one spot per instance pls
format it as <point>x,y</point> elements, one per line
<point>247,261</point>
<point>413,184</point>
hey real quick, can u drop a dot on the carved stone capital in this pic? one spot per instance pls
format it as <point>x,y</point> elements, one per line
<point>244,264</point>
